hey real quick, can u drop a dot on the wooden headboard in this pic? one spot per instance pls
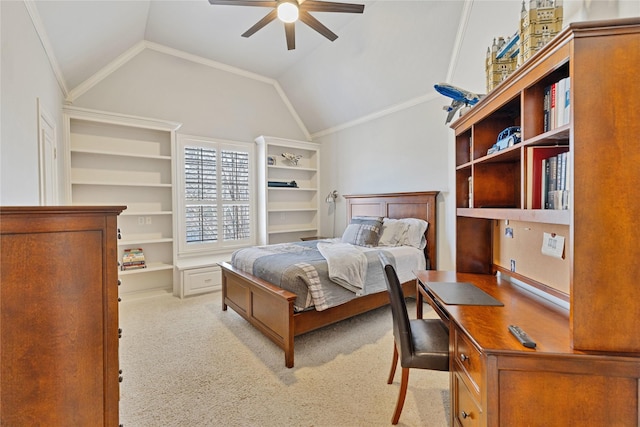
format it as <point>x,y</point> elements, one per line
<point>420,205</point>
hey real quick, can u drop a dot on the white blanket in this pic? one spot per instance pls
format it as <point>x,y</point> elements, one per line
<point>346,263</point>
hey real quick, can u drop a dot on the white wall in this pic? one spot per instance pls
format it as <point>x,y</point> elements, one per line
<point>26,75</point>
<point>400,152</point>
<point>207,101</point>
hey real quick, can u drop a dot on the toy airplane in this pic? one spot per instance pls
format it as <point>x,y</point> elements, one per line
<point>460,98</point>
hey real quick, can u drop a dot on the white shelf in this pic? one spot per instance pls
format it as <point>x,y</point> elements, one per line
<point>130,242</point>
<point>111,153</point>
<point>293,230</point>
<point>312,209</point>
<point>143,213</point>
<point>152,266</point>
<point>292,189</point>
<point>291,168</point>
<point>120,184</point>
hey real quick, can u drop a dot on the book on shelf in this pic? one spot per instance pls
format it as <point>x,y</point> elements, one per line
<point>133,266</point>
<point>567,101</point>
<point>556,104</point>
<point>552,107</point>
<point>539,177</point>
<point>556,192</point>
<point>546,108</point>
<point>282,184</point>
<point>133,259</point>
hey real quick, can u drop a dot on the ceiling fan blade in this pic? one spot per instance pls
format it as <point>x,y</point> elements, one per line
<point>317,25</point>
<point>290,32</point>
<point>245,3</point>
<point>261,23</point>
<point>327,6</point>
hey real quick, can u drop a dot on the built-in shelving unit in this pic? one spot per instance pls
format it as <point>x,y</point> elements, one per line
<point>122,160</point>
<point>287,214</point>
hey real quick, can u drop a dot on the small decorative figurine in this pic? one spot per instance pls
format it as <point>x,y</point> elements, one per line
<point>292,158</point>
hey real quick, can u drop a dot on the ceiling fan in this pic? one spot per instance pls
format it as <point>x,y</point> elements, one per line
<point>289,11</point>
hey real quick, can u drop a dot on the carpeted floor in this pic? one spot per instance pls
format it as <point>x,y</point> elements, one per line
<point>188,363</point>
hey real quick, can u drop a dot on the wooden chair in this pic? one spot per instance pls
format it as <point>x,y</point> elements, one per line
<point>419,343</point>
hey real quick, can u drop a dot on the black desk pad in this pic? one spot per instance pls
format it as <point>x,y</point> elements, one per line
<point>461,293</point>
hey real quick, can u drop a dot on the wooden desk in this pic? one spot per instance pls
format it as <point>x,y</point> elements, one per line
<point>495,381</point>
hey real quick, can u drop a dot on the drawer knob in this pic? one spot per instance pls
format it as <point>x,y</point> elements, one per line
<point>464,415</point>
<point>464,357</point>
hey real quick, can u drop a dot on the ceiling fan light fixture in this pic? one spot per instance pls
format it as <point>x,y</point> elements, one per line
<point>288,11</point>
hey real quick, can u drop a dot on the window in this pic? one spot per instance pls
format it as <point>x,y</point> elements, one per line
<point>215,194</point>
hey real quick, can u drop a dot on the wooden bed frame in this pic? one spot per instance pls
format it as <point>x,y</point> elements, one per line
<point>270,308</point>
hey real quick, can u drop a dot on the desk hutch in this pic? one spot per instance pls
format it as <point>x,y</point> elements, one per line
<point>587,361</point>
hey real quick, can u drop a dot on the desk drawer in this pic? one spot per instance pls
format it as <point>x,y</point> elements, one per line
<point>468,361</point>
<point>466,411</point>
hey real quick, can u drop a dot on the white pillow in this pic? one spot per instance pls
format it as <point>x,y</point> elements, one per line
<point>393,232</point>
<point>415,232</point>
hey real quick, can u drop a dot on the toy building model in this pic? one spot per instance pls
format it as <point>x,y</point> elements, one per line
<point>502,59</point>
<point>538,25</point>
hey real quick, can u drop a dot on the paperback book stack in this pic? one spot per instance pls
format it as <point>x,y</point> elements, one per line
<point>133,259</point>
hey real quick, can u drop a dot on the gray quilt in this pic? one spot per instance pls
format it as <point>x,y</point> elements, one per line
<point>300,268</point>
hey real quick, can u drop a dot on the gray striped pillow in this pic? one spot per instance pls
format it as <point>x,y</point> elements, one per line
<point>363,231</point>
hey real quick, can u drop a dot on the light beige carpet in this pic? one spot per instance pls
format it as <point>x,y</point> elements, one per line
<point>188,363</point>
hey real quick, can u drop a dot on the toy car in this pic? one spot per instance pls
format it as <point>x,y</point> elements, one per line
<point>508,137</point>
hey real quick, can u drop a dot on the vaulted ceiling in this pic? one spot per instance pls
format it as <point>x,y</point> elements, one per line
<point>390,55</point>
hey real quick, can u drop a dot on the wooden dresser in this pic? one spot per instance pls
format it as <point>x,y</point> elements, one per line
<point>59,316</point>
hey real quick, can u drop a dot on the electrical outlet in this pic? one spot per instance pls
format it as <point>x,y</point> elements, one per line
<point>513,265</point>
<point>147,220</point>
<point>140,220</point>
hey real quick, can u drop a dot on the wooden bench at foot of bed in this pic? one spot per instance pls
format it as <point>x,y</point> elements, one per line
<point>270,308</point>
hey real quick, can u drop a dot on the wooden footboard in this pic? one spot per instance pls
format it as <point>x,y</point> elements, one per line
<point>267,307</point>
<point>270,308</point>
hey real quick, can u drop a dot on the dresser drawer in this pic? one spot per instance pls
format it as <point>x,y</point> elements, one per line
<point>466,410</point>
<point>468,361</point>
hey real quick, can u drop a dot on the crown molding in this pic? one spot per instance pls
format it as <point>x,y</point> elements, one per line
<point>208,62</point>
<point>32,10</point>
<point>378,114</point>
<point>292,110</point>
<point>104,72</point>
<point>457,45</point>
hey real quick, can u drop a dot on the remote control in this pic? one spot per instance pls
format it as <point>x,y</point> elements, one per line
<point>522,336</point>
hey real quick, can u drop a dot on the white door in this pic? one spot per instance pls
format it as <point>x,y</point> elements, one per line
<point>47,148</point>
